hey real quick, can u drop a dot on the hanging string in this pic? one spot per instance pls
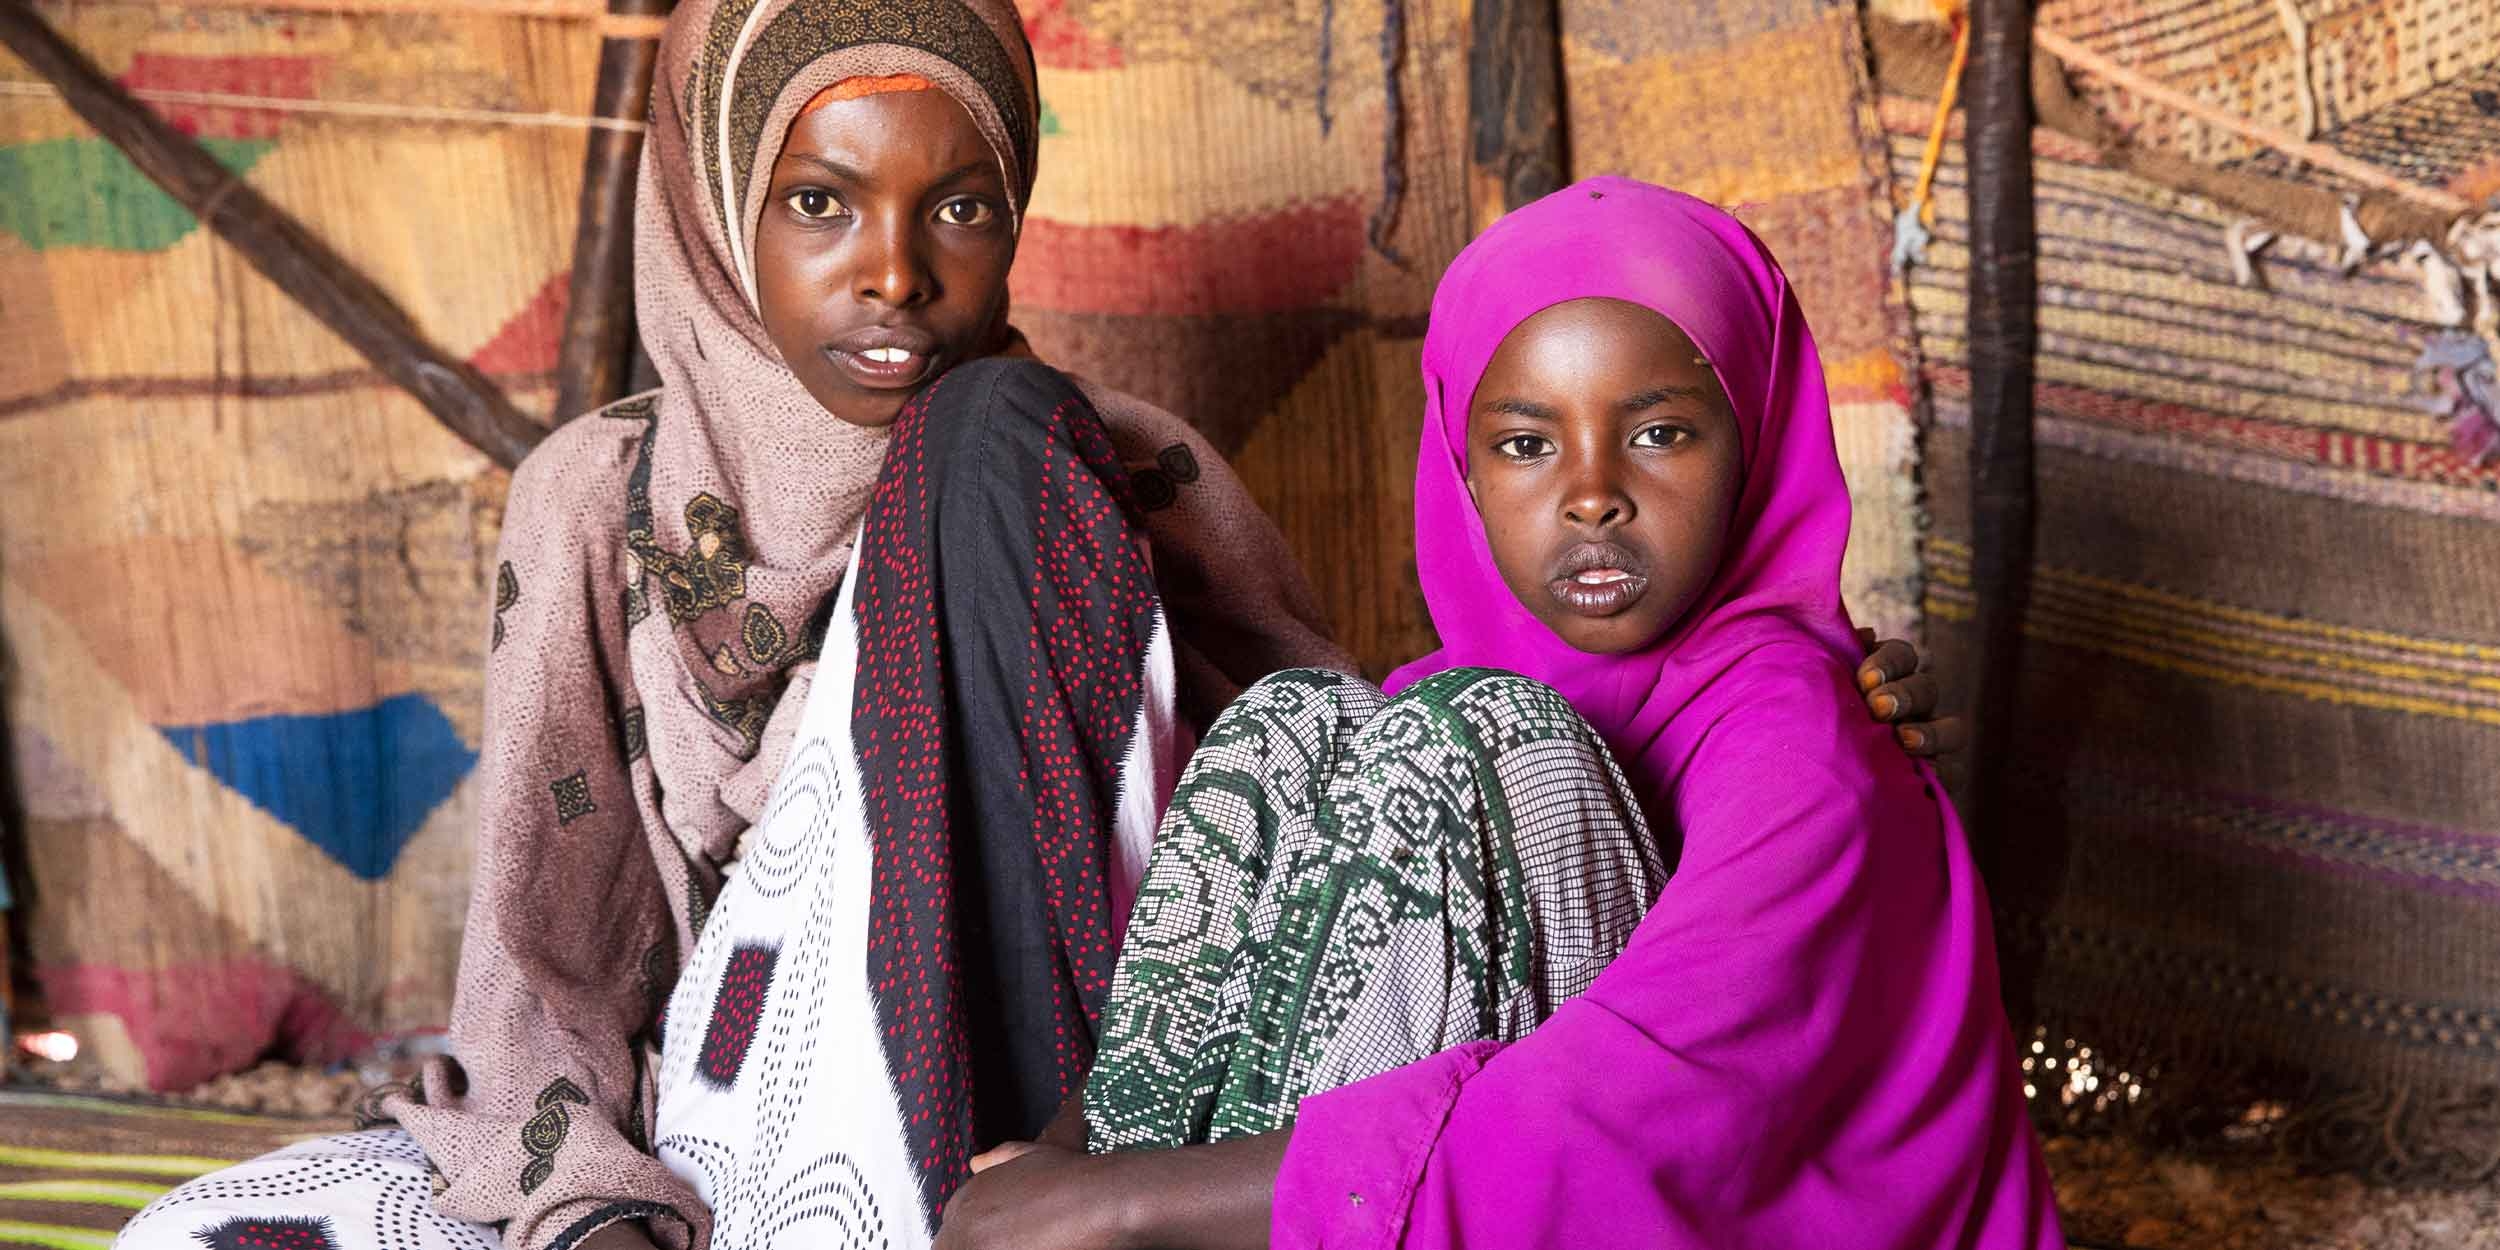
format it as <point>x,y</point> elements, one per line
<point>1910,229</point>
<point>610,25</point>
<point>1327,54</point>
<point>350,108</point>
<point>1921,196</point>
<point>2296,29</point>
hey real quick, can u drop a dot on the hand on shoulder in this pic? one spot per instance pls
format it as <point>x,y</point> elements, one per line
<point>1903,696</point>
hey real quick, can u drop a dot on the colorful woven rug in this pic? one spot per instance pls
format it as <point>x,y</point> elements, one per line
<point>72,1169</point>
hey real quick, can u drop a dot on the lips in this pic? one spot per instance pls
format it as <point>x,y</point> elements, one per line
<point>1598,579</point>
<point>885,358</point>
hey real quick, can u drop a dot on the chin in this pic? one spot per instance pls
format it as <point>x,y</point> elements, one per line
<point>867,411</point>
<point>1608,641</point>
<point>1614,635</point>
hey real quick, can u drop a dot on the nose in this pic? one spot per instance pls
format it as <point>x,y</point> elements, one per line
<point>892,268</point>
<point>1594,498</point>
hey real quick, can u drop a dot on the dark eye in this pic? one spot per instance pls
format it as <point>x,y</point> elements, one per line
<point>965,211</point>
<point>1524,446</point>
<point>815,204</point>
<point>1662,436</point>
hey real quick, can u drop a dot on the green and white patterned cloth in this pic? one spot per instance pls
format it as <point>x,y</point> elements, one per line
<point>1346,882</point>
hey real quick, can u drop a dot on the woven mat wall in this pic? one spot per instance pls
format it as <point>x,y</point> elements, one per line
<point>2262,690</point>
<point>244,583</point>
<point>1765,107</point>
<point>241,577</point>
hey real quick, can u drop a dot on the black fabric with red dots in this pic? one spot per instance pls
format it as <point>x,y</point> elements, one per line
<point>1004,610</point>
<point>274,1233</point>
<point>736,1012</point>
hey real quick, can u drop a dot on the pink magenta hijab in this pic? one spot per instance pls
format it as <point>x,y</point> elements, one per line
<point>1802,1045</point>
<point>1614,238</point>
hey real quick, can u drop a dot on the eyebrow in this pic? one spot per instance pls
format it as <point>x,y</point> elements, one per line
<point>1657,395</point>
<point>1639,402</point>
<point>835,168</point>
<point>848,173</point>
<point>1523,408</point>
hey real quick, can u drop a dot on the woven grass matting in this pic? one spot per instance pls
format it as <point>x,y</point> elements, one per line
<point>74,1169</point>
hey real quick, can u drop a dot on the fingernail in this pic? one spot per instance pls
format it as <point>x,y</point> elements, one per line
<point>1886,705</point>
<point>1913,738</point>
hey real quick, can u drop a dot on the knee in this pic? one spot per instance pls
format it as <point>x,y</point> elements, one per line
<point>990,429</point>
<point>1490,699</point>
<point>1005,391</point>
<point>1302,696</point>
<point>1295,686</point>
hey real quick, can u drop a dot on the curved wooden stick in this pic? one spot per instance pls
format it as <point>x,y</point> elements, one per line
<point>1911,60</point>
<point>346,108</point>
<point>280,247</point>
<point>2289,144</point>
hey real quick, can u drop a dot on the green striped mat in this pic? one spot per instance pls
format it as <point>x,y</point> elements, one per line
<point>73,1168</point>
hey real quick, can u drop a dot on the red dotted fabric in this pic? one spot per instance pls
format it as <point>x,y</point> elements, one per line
<point>285,1233</point>
<point>1091,608</point>
<point>744,985</point>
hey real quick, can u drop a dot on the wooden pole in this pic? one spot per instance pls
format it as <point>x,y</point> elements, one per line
<point>2004,336</point>
<point>1516,148</point>
<point>280,247</point>
<point>595,358</point>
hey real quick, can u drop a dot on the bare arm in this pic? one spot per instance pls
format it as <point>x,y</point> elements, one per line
<point>629,1235</point>
<point>1042,1197</point>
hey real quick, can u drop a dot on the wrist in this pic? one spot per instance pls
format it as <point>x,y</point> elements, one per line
<point>1134,1216</point>
<point>1203,1197</point>
<point>622,1235</point>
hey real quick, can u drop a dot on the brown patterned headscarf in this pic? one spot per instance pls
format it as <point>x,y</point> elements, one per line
<point>746,492</point>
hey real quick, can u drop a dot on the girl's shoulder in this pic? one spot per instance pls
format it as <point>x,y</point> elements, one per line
<point>572,488</point>
<point>1136,425</point>
<point>1793,673</point>
<point>1793,699</point>
<point>1790,745</point>
<point>592,455</point>
<point>1142,432</point>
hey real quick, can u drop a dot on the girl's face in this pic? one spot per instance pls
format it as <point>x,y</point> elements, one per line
<point>1606,463</point>
<point>883,253</point>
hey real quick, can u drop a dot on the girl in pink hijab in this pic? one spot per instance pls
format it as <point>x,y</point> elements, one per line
<point>1619,924</point>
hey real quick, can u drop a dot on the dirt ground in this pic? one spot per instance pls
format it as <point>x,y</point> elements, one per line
<point>269,1089</point>
<point>2113,1195</point>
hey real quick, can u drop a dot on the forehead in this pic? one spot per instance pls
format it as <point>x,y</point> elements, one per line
<point>898,131</point>
<point>1593,341</point>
